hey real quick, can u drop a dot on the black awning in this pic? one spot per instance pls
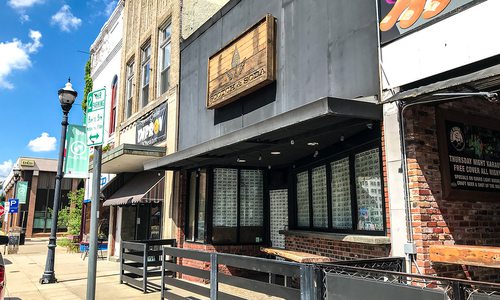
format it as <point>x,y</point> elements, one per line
<point>482,80</point>
<point>143,187</point>
<point>322,122</point>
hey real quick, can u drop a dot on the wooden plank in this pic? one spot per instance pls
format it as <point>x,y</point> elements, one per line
<point>259,264</point>
<point>132,257</point>
<point>132,269</point>
<point>205,274</point>
<point>260,287</point>
<point>297,256</point>
<point>187,286</point>
<point>481,256</point>
<point>132,281</point>
<point>187,253</point>
<point>133,246</point>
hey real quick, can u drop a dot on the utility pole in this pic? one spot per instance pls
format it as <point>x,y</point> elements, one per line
<point>94,220</point>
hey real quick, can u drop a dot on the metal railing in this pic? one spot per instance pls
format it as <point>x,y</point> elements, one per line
<point>206,266</point>
<point>140,261</point>
<point>392,283</point>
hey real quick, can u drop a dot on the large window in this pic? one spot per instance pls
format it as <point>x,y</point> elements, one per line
<point>342,195</point>
<point>129,89</point>
<point>164,59</point>
<point>145,73</point>
<point>112,116</point>
<point>237,206</point>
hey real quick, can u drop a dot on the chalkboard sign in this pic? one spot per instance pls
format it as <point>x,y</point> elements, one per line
<point>469,149</point>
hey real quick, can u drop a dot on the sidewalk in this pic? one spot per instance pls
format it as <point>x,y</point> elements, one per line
<point>24,269</point>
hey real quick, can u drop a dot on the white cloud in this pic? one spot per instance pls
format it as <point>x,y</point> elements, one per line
<point>5,168</point>
<point>16,56</point>
<point>65,19</point>
<point>22,4</point>
<point>24,18</point>
<point>43,143</point>
<point>110,6</point>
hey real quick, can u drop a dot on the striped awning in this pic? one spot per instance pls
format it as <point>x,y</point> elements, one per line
<point>142,188</point>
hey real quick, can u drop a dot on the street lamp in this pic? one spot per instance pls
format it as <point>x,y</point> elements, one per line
<point>17,176</point>
<point>67,97</point>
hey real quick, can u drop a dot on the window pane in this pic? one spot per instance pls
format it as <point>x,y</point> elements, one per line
<point>303,199</point>
<point>225,205</point>
<point>369,190</point>
<point>319,197</point>
<point>191,206</point>
<point>201,205</point>
<point>341,194</point>
<point>166,57</point>
<point>251,206</point>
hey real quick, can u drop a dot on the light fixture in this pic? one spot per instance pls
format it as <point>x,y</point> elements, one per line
<point>275,152</point>
<point>342,138</point>
<point>269,167</point>
<point>239,160</point>
<point>67,95</point>
<point>369,125</point>
<point>312,144</point>
<point>315,153</point>
<point>260,157</point>
<point>292,142</point>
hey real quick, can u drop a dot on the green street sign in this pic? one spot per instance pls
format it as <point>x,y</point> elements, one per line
<point>96,103</point>
<point>77,153</point>
<point>22,191</point>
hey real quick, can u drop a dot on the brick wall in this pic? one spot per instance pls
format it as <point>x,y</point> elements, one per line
<point>336,249</point>
<point>439,221</point>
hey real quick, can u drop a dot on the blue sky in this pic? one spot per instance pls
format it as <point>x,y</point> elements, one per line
<point>40,44</point>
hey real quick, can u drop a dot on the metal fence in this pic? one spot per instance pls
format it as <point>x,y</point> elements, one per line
<point>360,280</point>
<point>207,266</point>
<point>140,261</point>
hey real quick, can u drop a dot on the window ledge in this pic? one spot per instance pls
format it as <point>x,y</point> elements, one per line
<point>352,238</point>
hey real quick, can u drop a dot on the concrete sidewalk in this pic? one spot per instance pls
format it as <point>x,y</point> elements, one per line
<point>24,269</point>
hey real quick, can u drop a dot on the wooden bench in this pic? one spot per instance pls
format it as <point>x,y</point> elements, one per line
<point>481,256</point>
<point>297,256</point>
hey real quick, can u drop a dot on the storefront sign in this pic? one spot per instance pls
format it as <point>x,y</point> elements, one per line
<point>27,163</point>
<point>77,153</point>
<point>22,191</point>
<point>152,130</point>
<point>242,66</point>
<point>401,16</point>
<point>470,156</point>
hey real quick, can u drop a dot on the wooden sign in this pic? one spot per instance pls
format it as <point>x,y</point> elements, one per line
<point>469,149</point>
<point>27,163</point>
<point>242,66</point>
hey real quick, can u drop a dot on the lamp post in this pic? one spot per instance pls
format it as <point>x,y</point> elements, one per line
<point>67,97</point>
<point>17,176</point>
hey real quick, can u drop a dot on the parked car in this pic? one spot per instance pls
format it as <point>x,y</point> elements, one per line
<point>4,240</point>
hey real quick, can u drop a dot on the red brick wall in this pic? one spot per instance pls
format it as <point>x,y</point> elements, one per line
<point>336,249</point>
<point>439,221</point>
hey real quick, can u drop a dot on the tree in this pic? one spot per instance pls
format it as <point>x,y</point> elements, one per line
<point>71,217</point>
<point>88,85</point>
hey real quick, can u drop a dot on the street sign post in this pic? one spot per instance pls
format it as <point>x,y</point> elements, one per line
<point>13,206</point>
<point>96,103</point>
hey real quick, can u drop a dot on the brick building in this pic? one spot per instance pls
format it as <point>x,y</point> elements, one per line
<point>34,215</point>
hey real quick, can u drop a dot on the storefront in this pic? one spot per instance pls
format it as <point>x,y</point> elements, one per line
<point>280,142</point>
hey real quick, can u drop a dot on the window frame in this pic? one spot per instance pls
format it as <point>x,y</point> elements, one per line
<point>129,88</point>
<point>162,44</point>
<point>114,97</point>
<point>350,153</point>
<point>145,62</point>
<point>209,206</point>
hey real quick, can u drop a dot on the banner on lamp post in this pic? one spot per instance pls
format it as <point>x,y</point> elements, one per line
<point>22,191</point>
<point>77,153</point>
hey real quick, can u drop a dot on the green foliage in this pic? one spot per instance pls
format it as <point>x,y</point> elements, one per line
<point>88,86</point>
<point>71,218</point>
<point>65,242</point>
